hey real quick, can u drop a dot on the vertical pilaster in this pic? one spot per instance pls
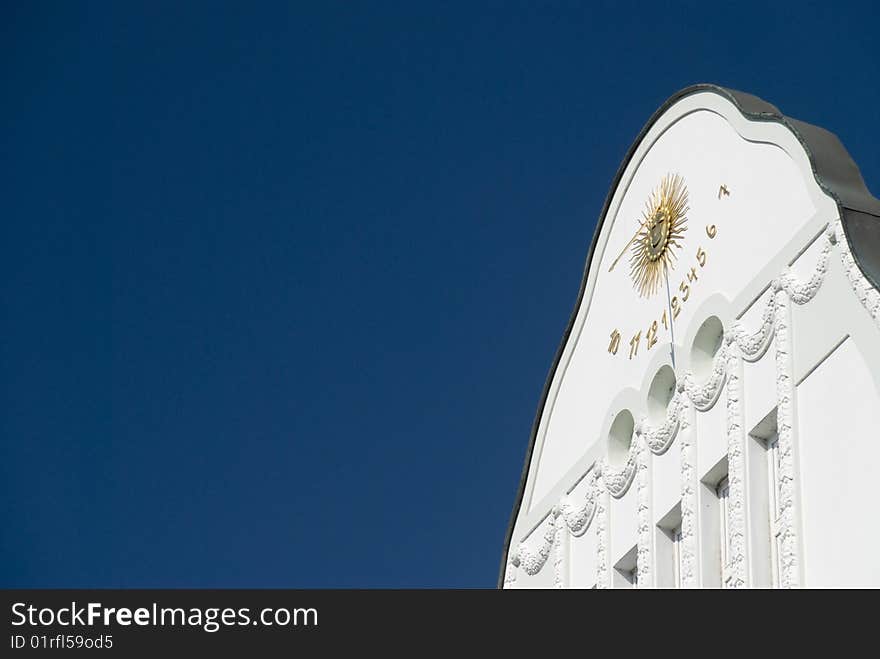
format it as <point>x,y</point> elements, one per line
<point>735,573</point>
<point>560,549</point>
<point>645,557</point>
<point>689,550</point>
<point>785,420</point>
<point>603,567</point>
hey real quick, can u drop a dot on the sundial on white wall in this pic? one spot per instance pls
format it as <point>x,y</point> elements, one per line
<point>729,306</point>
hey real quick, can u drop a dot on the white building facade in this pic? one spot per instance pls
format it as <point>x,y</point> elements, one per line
<point>713,411</point>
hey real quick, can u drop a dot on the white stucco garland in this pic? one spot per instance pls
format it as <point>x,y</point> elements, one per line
<point>574,518</point>
<point>579,516</point>
<point>618,480</point>
<point>865,292</point>
<point>659,438</point>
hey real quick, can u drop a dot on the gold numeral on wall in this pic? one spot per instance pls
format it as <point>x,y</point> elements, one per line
<point>665,323</point>
<point>675,308</point>
<point>692,275</point>
<point>634,344</point>
<point>701,256</point>
<point>615,342</point>
<point>711,230</point>
<point>685,291</point>
<point>651,336</point>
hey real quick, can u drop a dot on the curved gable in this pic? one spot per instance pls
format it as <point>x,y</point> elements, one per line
<point>759,188</point>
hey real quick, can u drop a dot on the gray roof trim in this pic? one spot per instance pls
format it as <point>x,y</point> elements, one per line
<point>835,173</point>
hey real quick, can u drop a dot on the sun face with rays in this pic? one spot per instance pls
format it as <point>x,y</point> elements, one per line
<point>664,222</point>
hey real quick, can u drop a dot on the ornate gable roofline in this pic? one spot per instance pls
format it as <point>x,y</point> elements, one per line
<point>834,171</point>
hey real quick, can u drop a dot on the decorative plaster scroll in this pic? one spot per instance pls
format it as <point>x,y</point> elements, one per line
<point>532,560</point>
<point>803,292</point>
<point>753,346</point>
<point>865,292</point>
<point>688,544</point>
<point>784,421</point>
<point>735,571</point>
<point>617,481</point>
<point>645,537</point>
<point>659,439</point>
<point>578,518</point>
<point>602,567</point>
<point>566,517</point>
<point>704,395</point>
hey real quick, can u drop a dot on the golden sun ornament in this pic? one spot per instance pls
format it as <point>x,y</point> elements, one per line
<point>664,222</point>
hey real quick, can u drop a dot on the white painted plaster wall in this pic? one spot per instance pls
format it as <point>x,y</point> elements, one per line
<point>839,415</point>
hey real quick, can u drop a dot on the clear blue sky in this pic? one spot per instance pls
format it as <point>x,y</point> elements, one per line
<point>281,287</point>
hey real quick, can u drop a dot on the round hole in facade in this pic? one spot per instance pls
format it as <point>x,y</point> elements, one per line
<point>619,438</point>
<point>660,393</point>
<point>707,342</point>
